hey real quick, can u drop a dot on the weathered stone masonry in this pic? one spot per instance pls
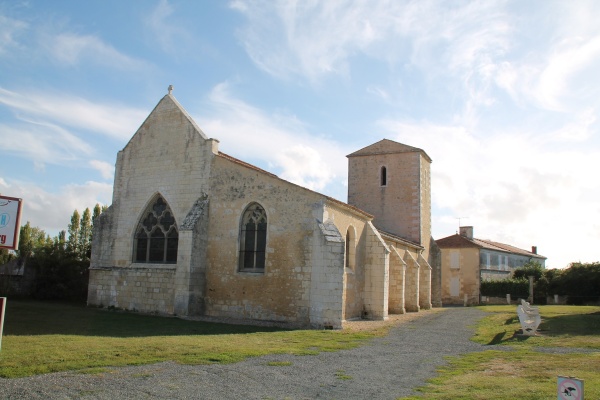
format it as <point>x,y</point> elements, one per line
<point>324,261</point>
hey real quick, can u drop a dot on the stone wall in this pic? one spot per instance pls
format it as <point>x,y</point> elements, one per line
<point>424,283</point>
<point>326,297</point>
<point>397,282</point>
<point>411,291</point>
<point>282,291</point>
<point>168,156</point>
<point>463,278</point>
<point>377,276</point>
<point>147,289</point>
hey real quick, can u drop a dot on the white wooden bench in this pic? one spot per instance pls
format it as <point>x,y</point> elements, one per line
<point>530,320</point>
<point>527,307</point>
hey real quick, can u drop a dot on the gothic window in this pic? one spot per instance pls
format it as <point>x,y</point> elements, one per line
<point>156,237</point>
<point>253,239</point>
<point>383,176</point>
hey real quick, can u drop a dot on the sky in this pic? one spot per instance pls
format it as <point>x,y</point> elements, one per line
<point>504,96</point>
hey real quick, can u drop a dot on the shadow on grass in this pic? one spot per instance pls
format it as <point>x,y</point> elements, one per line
<point>497,339</point>
<point>25,317</point>
<point>573,324</point>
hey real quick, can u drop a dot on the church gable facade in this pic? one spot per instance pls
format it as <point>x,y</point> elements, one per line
<point>193,231</point>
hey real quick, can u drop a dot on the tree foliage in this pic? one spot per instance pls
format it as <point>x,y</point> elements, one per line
<point>580,283</point>
<point>517,288</point>
<point>61,263</point>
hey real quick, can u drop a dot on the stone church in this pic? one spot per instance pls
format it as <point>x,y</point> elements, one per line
<point>193,231</point>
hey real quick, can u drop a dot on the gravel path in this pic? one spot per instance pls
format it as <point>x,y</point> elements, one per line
<point>384,368</point>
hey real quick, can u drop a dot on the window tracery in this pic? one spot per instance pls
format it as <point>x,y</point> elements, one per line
<point>253,239</point>
<point>156,237</point>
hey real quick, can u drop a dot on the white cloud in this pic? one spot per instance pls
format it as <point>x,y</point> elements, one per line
<point>51,211</point>
<point>72,49</point>
<point>277,139</point>
<point>9,29</point>
<point>514,188</point>
<point>113,120</point>
<point>43,143</point>
<point>318,38</point>
<point>107,170</point>
<point>166,35</point>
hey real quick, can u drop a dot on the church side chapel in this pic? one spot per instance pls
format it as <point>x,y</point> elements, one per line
<point>195,232</point>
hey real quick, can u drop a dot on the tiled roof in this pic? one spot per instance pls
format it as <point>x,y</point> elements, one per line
<point>399,239</point>
<point>458,241</point>
<point>387,146</point>
<point>262,171</point>
<point>245,164</point>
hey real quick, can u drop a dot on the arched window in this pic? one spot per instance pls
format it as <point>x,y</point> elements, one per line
<point>383,176</point>
<point>350,259</point>
<point>253,239</point>
<point>156,237</point>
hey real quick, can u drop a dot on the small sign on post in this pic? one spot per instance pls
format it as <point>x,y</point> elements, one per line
<point>10,222</point>
<point>570,388</point>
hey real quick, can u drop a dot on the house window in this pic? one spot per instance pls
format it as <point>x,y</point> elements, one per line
<point>253,239</point>
<point>383,176</point>
<point>454,259</point>
<point>156,237</point>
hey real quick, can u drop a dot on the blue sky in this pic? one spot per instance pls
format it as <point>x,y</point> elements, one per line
<point>504,96</point>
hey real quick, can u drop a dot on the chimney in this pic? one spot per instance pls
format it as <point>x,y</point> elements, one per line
<point>534,249</point>
<point>466,231</point>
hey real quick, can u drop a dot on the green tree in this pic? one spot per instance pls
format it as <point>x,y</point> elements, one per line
<point>31,239</point>
<point>5,256</point>
<point>580,282</point>
<point>85,235</point>
<point>540,280</point>
<point>97,211</point>
<point>74,227</point>
<point>531,268</point>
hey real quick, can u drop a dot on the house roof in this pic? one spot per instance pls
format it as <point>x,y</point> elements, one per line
<point>387,146</point>
<point>459,241</point>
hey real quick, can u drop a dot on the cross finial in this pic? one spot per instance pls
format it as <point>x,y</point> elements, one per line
<point>170,88</point>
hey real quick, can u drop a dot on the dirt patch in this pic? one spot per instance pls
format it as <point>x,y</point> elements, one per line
<point>393,320</point>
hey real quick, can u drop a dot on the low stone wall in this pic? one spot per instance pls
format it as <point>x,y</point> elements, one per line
<point>489,300</point>
<point>144,289</point>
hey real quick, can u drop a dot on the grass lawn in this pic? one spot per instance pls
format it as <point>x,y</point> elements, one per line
<point>518,371</point>
<point>49,337</point>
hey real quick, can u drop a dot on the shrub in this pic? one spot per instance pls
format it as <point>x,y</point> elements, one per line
<point>580,282</point>
<point>499,288</point>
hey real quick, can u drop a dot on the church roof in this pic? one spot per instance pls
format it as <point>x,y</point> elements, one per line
<point>458,241</point>
<point>262,171</point>
<point>399,239</point>
<point>387,146</point>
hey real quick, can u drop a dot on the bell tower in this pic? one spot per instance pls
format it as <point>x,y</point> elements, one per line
<point>392,181</point>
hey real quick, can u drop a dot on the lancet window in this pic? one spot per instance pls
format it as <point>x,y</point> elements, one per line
<point>253,239</point>
<point>383,176</point>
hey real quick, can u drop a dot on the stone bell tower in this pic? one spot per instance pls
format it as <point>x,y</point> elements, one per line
<point>392,182</point>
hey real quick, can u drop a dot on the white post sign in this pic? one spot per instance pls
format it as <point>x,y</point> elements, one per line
<point>570,388</point>
<point>10,222</point>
